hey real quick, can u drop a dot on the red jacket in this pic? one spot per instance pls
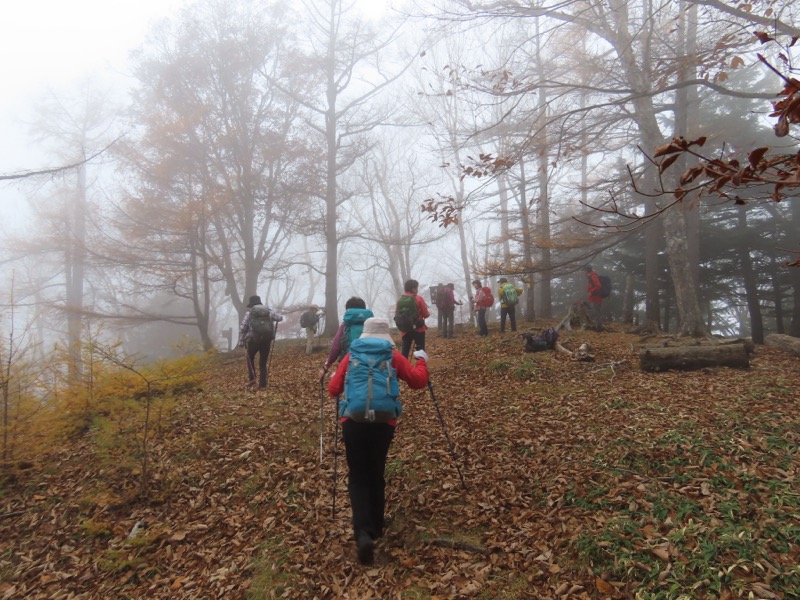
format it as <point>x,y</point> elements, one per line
<point>593,286</point>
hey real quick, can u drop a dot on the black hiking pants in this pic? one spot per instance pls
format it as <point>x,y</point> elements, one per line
<point>418,337</point>
<point>262,350</point>
<point>366,447</point>
<point>484,329</point>
<point>512,317</point>
<point>448,314</point>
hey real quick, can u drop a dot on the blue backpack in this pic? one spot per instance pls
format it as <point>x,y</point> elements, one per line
<point>371,393</point>
<point>353,320</point>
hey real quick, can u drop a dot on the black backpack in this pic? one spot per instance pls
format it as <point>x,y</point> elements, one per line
<point>544,341</point>
<point>605,286</point>
<point>261,328</point>
<point>309,319</point>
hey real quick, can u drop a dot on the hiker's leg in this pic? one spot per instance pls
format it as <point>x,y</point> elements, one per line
<point>484,329</point>
<point>263,357</point>
<point>440,320</point>
<point>381,435</point>
<point>251,350</point>
<point>450,316</point>
<point>363,454</point>
<point>503,315</point>
<point>419,340</point>
<point>512,317</point>
<point>309,340</point>
<point>594,315</point>
<point>407,339</point>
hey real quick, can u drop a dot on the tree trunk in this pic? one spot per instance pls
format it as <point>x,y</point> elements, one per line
<point>750,283</point>
<point>794,275</point>
<point>75,271</point>
<point>627,300</point>
<point>543,229</point>
<point>529,313</point>
<point>693,357</point>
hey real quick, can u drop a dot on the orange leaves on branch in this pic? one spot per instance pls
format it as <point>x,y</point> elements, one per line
<point>443,210</point>
<point>486,165</point>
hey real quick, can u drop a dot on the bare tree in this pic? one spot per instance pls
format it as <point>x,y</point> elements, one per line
<point>348,61</point>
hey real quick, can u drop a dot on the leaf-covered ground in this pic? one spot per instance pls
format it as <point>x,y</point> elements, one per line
<point>583,480</point>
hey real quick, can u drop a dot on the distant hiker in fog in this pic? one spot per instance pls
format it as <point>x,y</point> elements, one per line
<point>595,299</point>
<point>446,303</point>
<point>355,313</point>
<point>410,314</point>
<point>309,321</point>
<point>256,335</point>
<point>509,297</point>
<point>482,301</point>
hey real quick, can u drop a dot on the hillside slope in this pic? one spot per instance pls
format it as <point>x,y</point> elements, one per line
<point>583,480</point>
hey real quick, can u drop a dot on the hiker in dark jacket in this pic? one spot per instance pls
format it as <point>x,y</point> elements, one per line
<point>594,300</point>
<point>447,307</point>
<point>255,343</point>
<point>355,313</point>
<point>417,336</point>
<point>367,444</point>
<point>309,321</point>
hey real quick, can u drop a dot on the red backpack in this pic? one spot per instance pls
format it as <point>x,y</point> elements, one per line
<point>445,299</point>
<point>488,298</point>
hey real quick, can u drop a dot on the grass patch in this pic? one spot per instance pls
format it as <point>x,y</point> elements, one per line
<point>270,579</point>
<point>498,366</point>
<point>527,370</point>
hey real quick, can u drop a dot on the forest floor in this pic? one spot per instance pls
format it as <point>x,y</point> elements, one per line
<point>583,480</point>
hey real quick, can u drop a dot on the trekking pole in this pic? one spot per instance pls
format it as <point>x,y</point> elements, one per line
<point>271,348</point>
<point>447,437</point>
<point>335,458</point>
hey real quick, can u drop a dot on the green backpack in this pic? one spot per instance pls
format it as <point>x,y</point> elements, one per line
<point>406,316</point>
<point>509,294</point>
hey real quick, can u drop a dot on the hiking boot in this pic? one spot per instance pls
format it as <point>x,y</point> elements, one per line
<point>366,548</point>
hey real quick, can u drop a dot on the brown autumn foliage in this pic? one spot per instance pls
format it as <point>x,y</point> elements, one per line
<point>584,480</point>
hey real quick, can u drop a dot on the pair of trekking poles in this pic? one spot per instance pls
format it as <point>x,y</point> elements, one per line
<point>336,436</point>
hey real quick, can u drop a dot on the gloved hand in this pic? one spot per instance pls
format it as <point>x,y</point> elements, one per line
<point>421,354</point>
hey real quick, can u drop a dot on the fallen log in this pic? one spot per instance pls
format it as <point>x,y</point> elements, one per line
<point>687,358</point>
<point>583,353</point>
<point>787,343</point>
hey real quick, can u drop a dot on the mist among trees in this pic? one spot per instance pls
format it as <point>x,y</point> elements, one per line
<point>307,153</point>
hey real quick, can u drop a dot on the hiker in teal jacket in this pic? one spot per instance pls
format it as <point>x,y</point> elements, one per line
<point>355,313</point>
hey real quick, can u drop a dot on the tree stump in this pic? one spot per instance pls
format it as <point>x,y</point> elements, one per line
<point>578,316</point>
<point>787,343</point>
<point>687,358</point>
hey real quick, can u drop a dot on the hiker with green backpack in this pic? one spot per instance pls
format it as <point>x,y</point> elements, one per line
<point>355,313</point>
<point>409,317</point>
<point>368,377</point>
<point>256,335</point>
<point>509,297</point>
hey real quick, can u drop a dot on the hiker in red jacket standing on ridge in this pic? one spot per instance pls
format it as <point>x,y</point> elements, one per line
<point>595,300</point>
